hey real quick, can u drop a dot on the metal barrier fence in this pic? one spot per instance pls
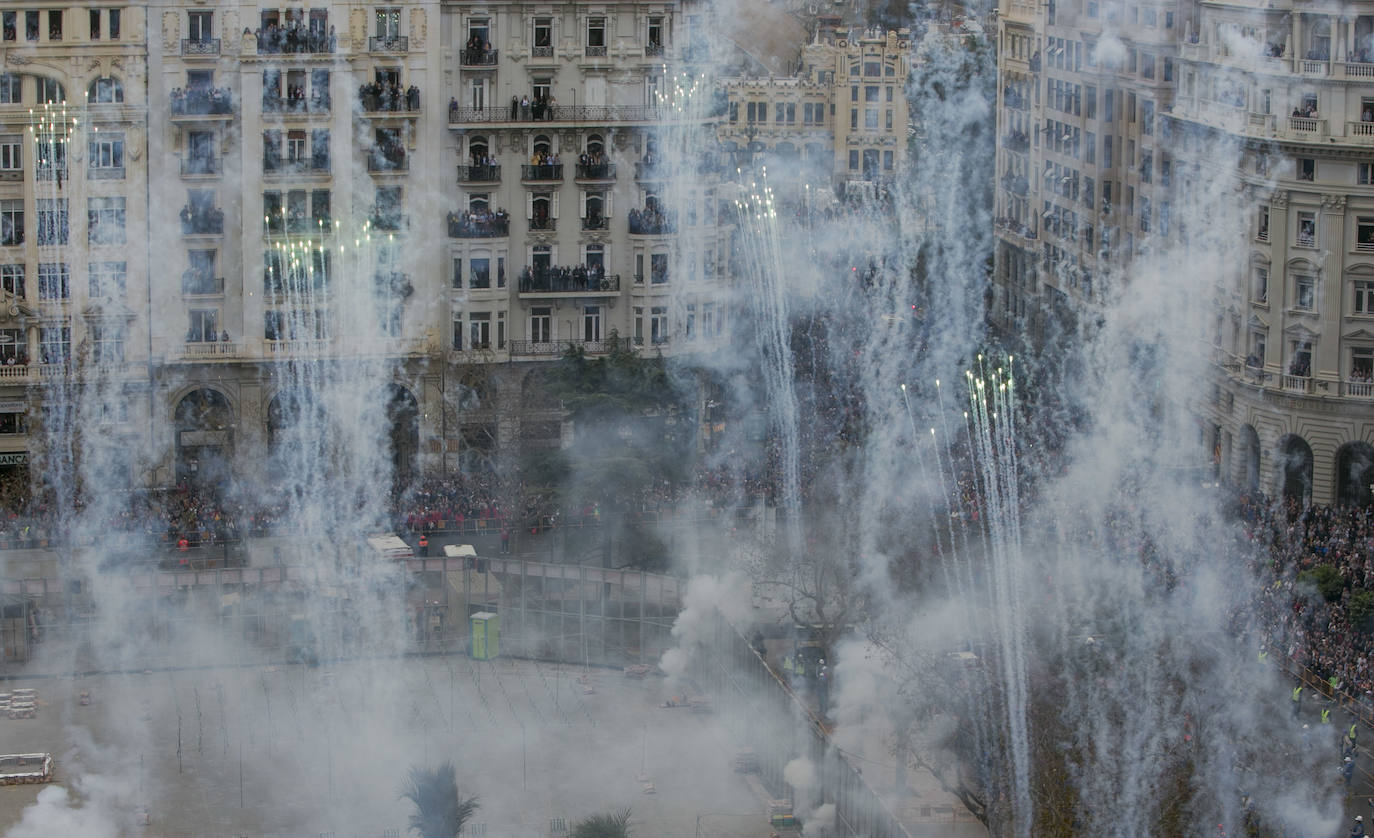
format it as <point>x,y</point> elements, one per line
<point>765,715</point>
<point>234,616</point>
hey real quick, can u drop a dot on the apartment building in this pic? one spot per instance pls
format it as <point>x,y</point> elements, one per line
<point>73,216</point>
<point>840,122</point>
<point>1091,142</point>
<point>438,198</point>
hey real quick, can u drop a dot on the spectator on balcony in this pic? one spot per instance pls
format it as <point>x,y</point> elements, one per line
<point>452,109</point>
<point>525,108</point>
<point>514,108</point>
<point>224,336</point>
<point>412,98</point>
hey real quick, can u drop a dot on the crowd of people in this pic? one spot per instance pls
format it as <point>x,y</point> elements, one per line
<point>479,222</point>
<point>1298,622</point>
<point>295,36</point>
<point>563,278</point>
<point>390,96</point>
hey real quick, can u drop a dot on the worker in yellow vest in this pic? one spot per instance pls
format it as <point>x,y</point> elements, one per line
<point>1263,656</point>
<point>1326,715</point>
<point>1297,700</point>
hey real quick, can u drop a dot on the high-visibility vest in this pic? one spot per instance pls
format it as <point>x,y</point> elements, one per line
<point>1326,715</point>
<point>788,666</point>
<point>1297,693</point>
<point>1263,656</point>
<point>1351,735</point>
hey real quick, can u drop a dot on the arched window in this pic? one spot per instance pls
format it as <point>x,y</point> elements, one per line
<point>477,150</point>
<point>50,91</point>
<point>595,145</point>
<point>542,145</point>
<point>105,90</point>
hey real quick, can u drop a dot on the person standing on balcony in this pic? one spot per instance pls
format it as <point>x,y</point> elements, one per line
<point>514,108</point>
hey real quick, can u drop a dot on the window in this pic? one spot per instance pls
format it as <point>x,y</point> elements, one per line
<point>1169,64</point>
<point>1362,364</point>
<point>1262,233</point>
<point>12,280</point>
<point>458,330</point>
<point>53,281</point>
<point>1364,233</point>
<point>596,36</point>
<point>654,41</point>
<point>1304,291</point>
<point>1090,101</point>
<point>1147,166</point>
<point>481,272</point>
<point>204,326</point>
<point>55,344</point>
<point>1108,101</point>
<point>1147,65</point>
<point>114,24</point>
<point>871,93</point>
<point>107,343</point>
<point>541,325</point>
<point>31,26</point>
<point>1307,168</point>
<point>11,156</point>
<point>1259,285</point>
<point>480,330</point>
<point>1364,174</point>
<point>1300,358</point>
<point>658,324</point>
<point>11,89</point>
<point>1307,229</point>
<point>1147,117</point>
<point>871,118</point>
<point>387,23</point>
<point>106,154</point>
<point>11,222</point>
<point>107,279</point>
<point>658,268</point>
<point>106,90</point>
<point>54,24</point>
<point>591,323</point>
<point>200,277</point>
<point>1364,297</point>
<point>52,221</point>
<point>50,91</point>
<point>10,26</point>
<point>543,36</point>
<point>105,220</point>
<point>1107,152</point>
<point>199,27</point>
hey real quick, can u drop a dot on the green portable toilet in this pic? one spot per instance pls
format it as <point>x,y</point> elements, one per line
<point>486,630</point>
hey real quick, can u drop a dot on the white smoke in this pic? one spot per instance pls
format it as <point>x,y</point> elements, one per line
<point>800,774</point>
<point>94,812</point>
<point>728,595</point>
<point>821,821</point>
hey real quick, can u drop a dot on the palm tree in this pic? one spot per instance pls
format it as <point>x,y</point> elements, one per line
<point>440,811</point>
<point>605,825</point>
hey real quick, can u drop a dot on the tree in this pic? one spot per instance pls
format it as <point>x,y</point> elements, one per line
<point>604,825</point>
<point>440,811</point>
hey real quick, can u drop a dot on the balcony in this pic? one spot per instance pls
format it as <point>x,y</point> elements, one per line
<point>595,52</point>
<point>653,50</point>
<point>200,46</point>
<point>1301,384</point>
<point>541,51</point>
<point>382,159</point>
<point>196,283</point>
<point>296,41</point>
<point>380,101</point>
<point>600,222</point>
<point>203,101</point>
<point>1357,389</point>
<point>559,113</point>
<point>1307,125</point>
<point>353,348</point>
<point>479,174</point>
<point>274,165</point>
<point>1314,67</point>
<point>104,173</point>
<point>596,171</point>
<point>558,347</point>
<point>390,43</point>
<point>388,219</point>
<point>649,222</point>
<point>280,223</point>
<point>468,227</point>
<point>200,166</point>
<point>1360,132</point>
<point>210,351</point>
<point>206,222</point>
<point>478,57</point>
<point>548,172</point>
<point>568,279</point>
<point>300,105</point>
<point>542,225</point>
